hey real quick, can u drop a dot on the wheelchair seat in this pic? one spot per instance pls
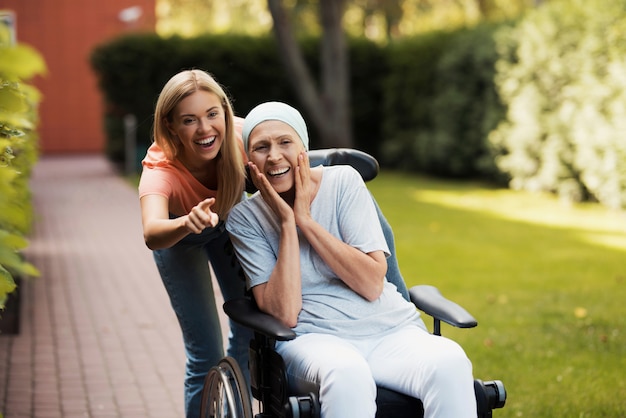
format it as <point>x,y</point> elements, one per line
<point>268,379</point>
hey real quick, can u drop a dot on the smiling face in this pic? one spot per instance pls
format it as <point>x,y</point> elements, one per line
<point>199,123</point>
<point>274,147</point>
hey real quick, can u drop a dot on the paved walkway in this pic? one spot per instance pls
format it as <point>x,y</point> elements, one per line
<point>98,337</point>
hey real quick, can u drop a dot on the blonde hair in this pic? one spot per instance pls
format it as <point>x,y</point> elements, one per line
<point>230,164</point>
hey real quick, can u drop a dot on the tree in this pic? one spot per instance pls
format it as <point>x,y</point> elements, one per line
<point>377,13</point>
<point>189,18</point>
<point>329,107</point>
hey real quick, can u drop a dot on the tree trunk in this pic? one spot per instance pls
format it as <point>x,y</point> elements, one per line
<point>327,109</point>
<point>335,74</point>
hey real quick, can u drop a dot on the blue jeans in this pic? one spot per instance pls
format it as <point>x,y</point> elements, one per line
<point>185,273</point>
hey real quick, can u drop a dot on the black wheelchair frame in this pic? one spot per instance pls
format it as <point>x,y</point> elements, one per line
<point>226,393</point>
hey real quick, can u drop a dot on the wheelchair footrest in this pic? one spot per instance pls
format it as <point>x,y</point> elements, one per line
<point>490,395</point>
<point>302,406</point>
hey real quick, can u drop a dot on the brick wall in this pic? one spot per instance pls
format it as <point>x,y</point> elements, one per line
<point>64,32</point>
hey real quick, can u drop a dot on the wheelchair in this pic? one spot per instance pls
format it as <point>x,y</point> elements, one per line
<point>226,393</point>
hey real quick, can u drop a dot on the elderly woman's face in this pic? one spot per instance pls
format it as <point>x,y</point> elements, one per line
<point>274,147</point>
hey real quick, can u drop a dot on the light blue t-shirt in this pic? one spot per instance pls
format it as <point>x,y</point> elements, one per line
<point>344,207</point>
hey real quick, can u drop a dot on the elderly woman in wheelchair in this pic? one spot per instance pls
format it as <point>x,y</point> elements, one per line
<point>314,253</point>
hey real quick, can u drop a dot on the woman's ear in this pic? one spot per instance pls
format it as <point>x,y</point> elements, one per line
<point>168,126</point>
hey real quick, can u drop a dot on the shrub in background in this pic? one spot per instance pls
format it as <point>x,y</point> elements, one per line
<point>562,74</point>
<point>441,103</point>
<point>18,154</point>
<point>132,69</point>
<point>539,103</point>
<point>426,103</point>
<point>409,90</point>
<point>368,69</point>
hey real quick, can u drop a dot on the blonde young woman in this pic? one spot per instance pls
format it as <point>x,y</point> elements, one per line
<point>193,174</point>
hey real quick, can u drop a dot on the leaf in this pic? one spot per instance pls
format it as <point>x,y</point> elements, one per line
<point>7,285</point>
<point>11,99</point>
<point>13,241</point>
<point>27,269</point>
<point>12,261</point>
<point>14,124</point>
<point>21,62</point>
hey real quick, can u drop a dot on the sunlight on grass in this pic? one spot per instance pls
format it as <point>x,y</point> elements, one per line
<point>597,225</point>
<point>546,282</point>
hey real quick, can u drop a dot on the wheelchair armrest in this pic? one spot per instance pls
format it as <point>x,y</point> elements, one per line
<point>245,312</point>
<point>429,300</point>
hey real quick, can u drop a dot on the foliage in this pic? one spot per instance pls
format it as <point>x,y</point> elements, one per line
<point>18,141</point>
<point>379,20</point>
<point>546,282</point>
<point>540,101</point>
<point>132,69</point>
<point>191,18</point>
<point>441,103</point>
<point>426,103</point>
<point>562,75</point>
<point>368,70</point>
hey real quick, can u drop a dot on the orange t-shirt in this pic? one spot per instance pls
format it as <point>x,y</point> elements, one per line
<point>172,180</point>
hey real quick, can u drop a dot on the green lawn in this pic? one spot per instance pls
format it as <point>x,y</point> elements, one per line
<point>545,280</point>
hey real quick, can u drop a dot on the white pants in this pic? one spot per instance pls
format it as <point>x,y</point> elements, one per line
<point>411,361</point>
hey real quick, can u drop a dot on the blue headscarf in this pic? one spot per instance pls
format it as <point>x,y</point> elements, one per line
<point>275,111</point>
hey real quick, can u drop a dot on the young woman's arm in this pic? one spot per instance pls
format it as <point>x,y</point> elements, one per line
<point>159,231</point>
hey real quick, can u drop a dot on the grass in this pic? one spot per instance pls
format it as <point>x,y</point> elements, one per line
<point>546,282</point>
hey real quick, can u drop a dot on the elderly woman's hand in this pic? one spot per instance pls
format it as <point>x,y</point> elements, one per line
<point>271,197</point>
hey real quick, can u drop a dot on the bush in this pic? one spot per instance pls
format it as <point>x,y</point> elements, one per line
<point>441,103</point>
<point>562,76</point>
<point>426,103</point>
<point>368,69</point>
<point>132,69</point>
<point>18,153</point>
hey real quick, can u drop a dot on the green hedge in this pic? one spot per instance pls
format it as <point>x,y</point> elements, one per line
<point>18,154</point>
<point>398,111</point>
<point>133,69</point>
<point>441,103</point>
<point>563,75</point>
<point>537,103</point>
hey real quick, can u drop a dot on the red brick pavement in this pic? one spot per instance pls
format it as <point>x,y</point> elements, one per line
<point>98,337</point>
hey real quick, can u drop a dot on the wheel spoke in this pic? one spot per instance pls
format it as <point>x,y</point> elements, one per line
<point>225,393</point>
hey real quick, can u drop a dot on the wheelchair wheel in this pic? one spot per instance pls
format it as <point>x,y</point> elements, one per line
<point>225,393</point>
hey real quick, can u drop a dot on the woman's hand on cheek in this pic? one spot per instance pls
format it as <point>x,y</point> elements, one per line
<point>302,204</point>
<point>271,197</point>
<point>255,175</point>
